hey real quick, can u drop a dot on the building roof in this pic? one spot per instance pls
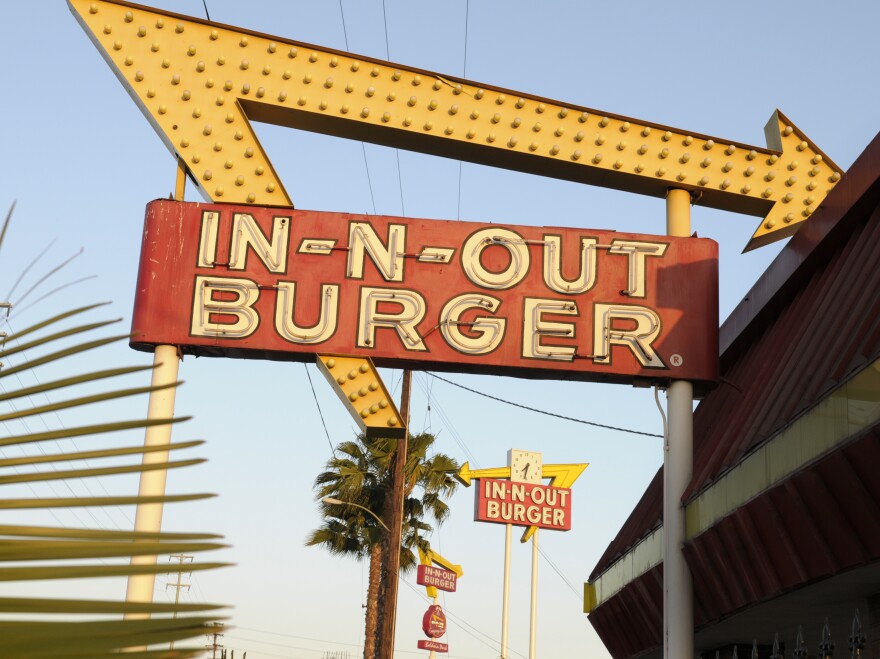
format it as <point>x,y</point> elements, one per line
<point>808,324</point>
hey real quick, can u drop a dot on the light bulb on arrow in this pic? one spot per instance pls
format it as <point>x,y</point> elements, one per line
<point>200,84</point>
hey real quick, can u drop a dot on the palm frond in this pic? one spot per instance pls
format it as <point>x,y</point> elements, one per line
<point>33,553</point>
<point>47,322</point>
<point>84,378</point>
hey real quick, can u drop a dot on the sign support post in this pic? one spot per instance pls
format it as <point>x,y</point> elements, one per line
<point>148,517</point>
<point>433,654</point>
<point>505,598</point>
<point>678,459</point>
<point>533,620</point>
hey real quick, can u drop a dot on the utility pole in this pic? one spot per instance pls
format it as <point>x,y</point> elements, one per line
<point>394,515</point>
<point>213,645</point>
<point>181,559</point>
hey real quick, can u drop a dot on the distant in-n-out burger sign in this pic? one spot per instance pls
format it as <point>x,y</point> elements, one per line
<point>428,575</point>
<point>279,283</point>
<point>523,504</point>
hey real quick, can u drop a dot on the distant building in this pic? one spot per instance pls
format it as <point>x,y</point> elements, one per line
<point>783,511</point>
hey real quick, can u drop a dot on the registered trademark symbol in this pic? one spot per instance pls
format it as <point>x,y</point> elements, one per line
<point>676,360</point>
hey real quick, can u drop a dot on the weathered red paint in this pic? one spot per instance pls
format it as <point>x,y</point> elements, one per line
<point>680,287</point>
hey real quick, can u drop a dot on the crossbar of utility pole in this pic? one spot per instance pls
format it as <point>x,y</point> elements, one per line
<point>181,558</point>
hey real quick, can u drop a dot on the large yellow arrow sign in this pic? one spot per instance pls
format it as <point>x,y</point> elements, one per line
<point>200,84</point>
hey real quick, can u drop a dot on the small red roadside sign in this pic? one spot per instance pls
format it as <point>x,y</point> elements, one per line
<point>434,622</point>
<point>437,646</point>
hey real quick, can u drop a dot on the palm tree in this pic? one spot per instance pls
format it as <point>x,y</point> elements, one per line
<point>360,473</point>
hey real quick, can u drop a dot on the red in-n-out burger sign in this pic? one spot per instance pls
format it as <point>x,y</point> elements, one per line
<point>523,504</point>
<point>278,283</point>
<point>428,575</point>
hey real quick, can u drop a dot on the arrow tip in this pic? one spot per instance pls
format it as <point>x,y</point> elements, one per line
<point>806,175</point>
<point>464,475</point>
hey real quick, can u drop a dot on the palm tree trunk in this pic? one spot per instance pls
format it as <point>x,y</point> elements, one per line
<point>371,626</point>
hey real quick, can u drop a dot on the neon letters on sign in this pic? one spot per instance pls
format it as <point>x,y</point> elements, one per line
<point>278,283</point>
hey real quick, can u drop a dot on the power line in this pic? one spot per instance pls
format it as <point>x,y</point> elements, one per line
<point>450,426</point>
<point>385,23</point>
<point>320,413</point>
<point>553,414</point>
<point>363,146</point>
<point>396,151</point>
<point>400,183</point>
<point>578,594</point>
<point>315,640</point>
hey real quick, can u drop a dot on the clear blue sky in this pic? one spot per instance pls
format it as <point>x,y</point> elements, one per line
<point>82,162</point>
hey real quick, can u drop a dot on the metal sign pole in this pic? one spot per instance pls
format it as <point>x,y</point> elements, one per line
<point>678,459</point>
<point>433,654</point>
<point>505,599</point>
<point>533,626</point>
<point>148,517</point>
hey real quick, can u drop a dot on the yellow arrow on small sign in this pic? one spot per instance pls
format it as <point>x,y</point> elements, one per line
<point>465,474</point>
<point>563,475</point>
<point>560,476</point>
<point>200,84</point>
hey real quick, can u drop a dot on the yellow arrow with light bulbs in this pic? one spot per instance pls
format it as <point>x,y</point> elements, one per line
<point>356,381</point>
<point>200,84</point>
<point>560,475</point>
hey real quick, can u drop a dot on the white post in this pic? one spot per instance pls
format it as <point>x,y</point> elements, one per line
<point>533,619</point>
<point>148,517</point>
<point>505,598</point>
<point>678,459</point>
<point>433,654</point>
